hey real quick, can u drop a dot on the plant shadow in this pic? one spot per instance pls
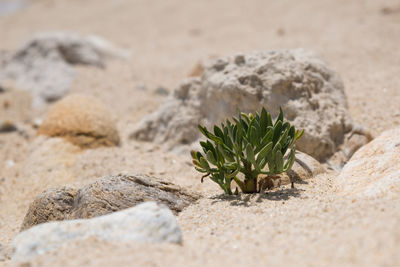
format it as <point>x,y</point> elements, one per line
<point>246,200</point>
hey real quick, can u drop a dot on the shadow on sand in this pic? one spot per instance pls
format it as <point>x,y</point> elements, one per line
<point>247,199</point>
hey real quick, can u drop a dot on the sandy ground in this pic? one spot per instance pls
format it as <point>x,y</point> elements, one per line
<point>309,226</point>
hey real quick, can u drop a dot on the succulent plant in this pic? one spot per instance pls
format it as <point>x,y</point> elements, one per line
<point>250,145</point>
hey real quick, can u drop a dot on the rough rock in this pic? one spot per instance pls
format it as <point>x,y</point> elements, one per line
<point>83,120</point>
<point>51,205</point>
<point>44,64</point>
<point>311,95</point>
<point>147,222</point>
<point>305,167</point>
<point>105,195</point>
<point>374,170</point>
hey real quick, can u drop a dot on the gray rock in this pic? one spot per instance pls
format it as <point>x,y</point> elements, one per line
<point>311,95</point>
<point>105,195</point>
<point>147,222</point>
<point>44,64</point>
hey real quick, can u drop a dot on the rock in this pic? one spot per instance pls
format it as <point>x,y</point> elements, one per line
<point>374,170</point>
<point>311,95</point>
<point>112,193</point>
<point>51,205</point>
<point>82,120</point>
<point>44,64</point>
<point>147,222</point>
<point>7,126</point>
<point>105,195</point>
<point>304,168</point>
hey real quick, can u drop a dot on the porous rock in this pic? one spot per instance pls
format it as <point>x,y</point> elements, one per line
<point>106,195</point>
<point>374,170</point>
<point>44,64</point>
<point>83,120</point>
<point>311,95</point>
<point>50,205</point>
<point>147,222</point>
<point>305,167</point>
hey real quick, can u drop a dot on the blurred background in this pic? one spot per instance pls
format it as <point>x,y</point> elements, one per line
<point>166,39</point>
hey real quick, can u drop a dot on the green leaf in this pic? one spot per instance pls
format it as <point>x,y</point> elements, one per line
<point>231,165</point>
<point>264,152</point>
<point>200,170</point>
<point>262,163</point>
<point>282,140</point>
<point>292,132</point>
<point>196,163</point>
<point>204,164</point>
<point>298,135</point>
<point>253,136</point>
<point>256,125</point>
<point>263,121</point>
<point>279,161</point>
<point>211,158</point>
<point>290,161</point>
<point>218,132</point>
<point>271,163</point>
<point>250,154</point>
<point>193,154</point>
<point>269,120</point>
<point>233,174</point>
<point>228,155</point>
<point>203,130</point>
<point>280,116</point>
<point>277,131</point>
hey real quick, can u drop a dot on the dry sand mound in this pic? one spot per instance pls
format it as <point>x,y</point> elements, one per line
<point>83,120</point>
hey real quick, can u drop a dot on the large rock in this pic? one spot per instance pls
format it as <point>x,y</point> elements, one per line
<point>44,64</point>
<point>147,222</point>
<point>311,95</point>
<point>83,120</point>
<point>374,170</point>
<point>105,195</point>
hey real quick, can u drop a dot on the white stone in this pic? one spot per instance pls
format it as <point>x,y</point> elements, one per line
<point>147,222</point>
<point>374,170</point>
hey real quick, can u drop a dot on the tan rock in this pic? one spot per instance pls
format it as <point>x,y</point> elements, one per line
<point>83,120</point>
<point>374,170</point>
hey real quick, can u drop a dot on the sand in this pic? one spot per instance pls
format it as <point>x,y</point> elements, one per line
<point>308,226</point>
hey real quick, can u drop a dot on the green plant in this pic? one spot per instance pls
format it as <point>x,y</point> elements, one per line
<point>248,145</point>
